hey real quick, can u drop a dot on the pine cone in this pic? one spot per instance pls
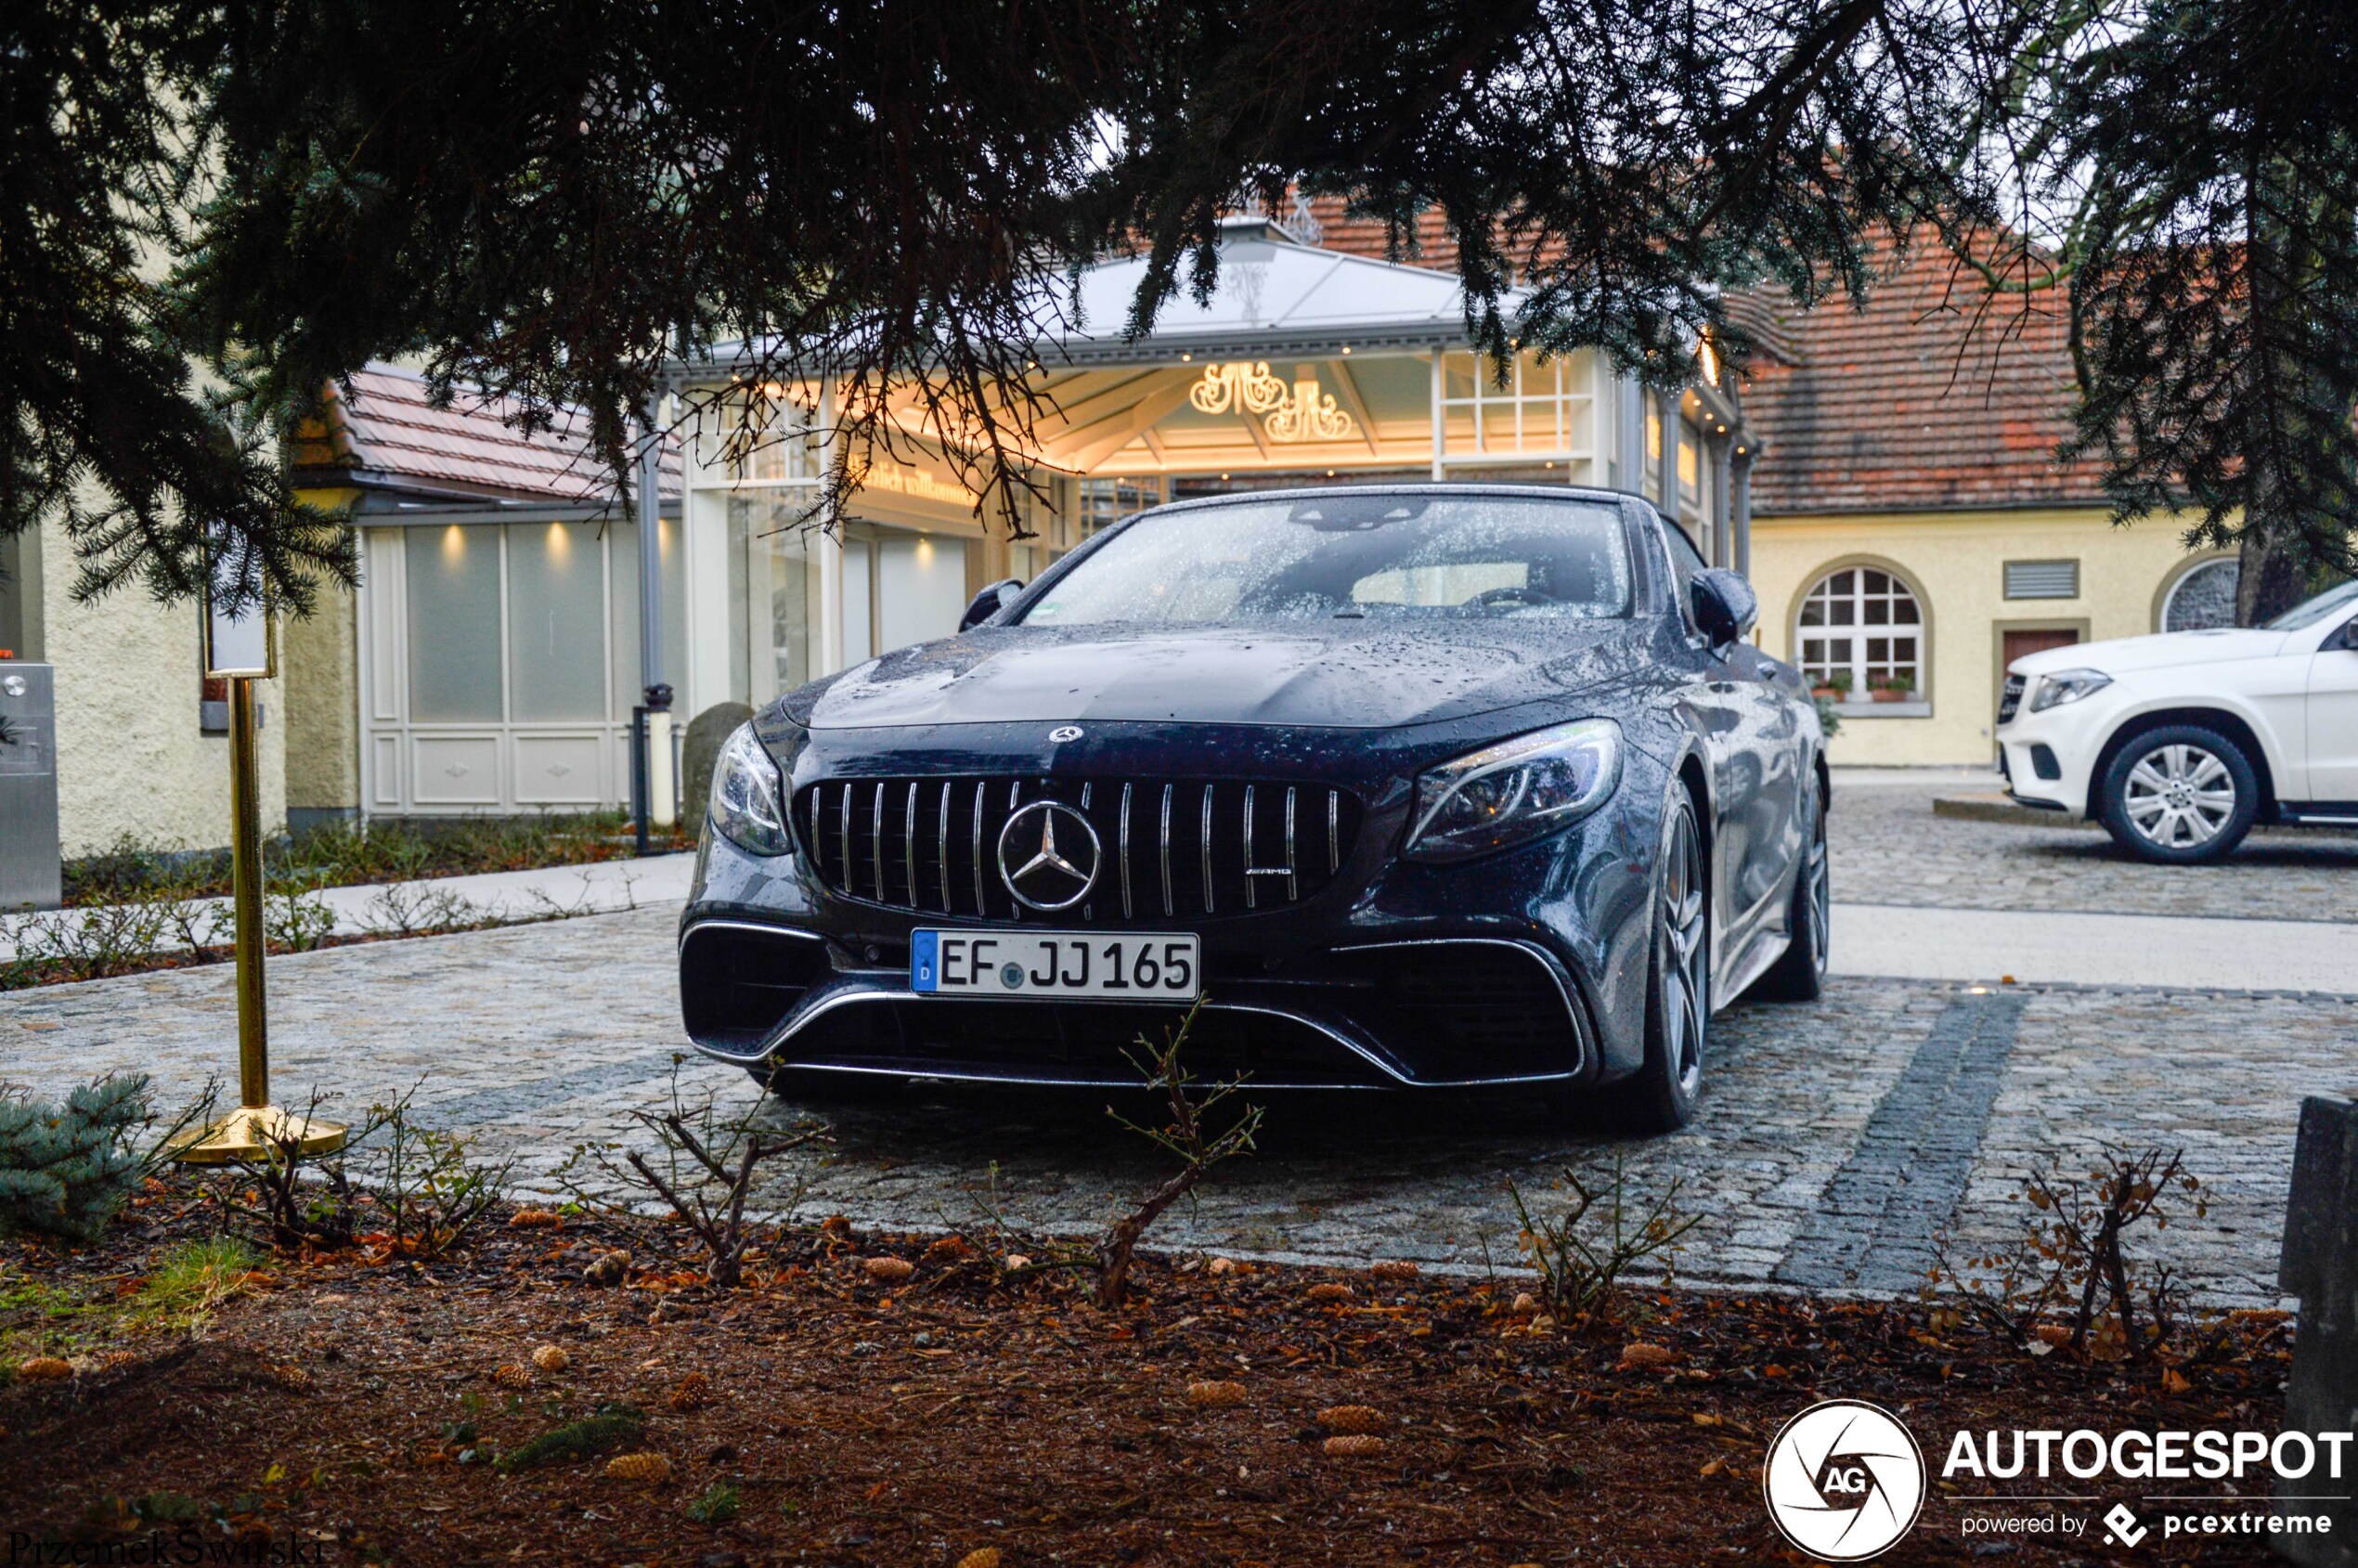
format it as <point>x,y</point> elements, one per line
<point>43,1370</point>
<point>294,1380</point>
<point>535,1219</point>
<point>981,1557</point>
<point>510,1375</point>
<point>692,1392</point>
<point>649,1468</point>
<point>1221,1265</point>
<point>551,1358</point>
<point>1640,1357</point>
<point>1393,1268</point>
<point>1329,1291</point>
<point>1352,1419</point>
<point>890,1271</point>
<point>1215,1392</point>
<point>1524,1304</point>
<point>1358,1445</point>
<point>608,1269</point>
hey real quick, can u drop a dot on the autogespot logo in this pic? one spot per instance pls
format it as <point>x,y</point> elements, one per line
<point>1843,1481</point>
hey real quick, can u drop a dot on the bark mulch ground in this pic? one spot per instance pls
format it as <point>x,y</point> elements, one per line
<point>345,1410</point>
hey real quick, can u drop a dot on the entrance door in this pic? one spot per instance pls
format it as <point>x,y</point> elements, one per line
<point>2020,644</point>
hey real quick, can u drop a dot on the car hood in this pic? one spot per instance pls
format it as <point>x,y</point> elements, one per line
<point>2160,651</point>
<point>1348,674</point>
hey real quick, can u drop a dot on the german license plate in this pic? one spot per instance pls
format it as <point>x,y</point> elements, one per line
<point>1134,966</point>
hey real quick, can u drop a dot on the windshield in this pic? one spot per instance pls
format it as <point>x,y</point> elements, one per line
<point>2311,611</point>
<point>1387,557</point>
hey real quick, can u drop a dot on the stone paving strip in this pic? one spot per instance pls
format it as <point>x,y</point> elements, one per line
<point>540,893</point>
<point>1836,1139</point>
<point>1902,941</point>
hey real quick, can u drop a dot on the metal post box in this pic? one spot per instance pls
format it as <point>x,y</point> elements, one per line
<point>29,867</point>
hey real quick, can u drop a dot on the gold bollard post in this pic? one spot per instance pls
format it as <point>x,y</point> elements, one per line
<point>257,1130</point>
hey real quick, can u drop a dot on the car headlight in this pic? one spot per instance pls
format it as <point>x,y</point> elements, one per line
<point>1515,791</point>
<point>2066,686</point>
<point>748,796</point>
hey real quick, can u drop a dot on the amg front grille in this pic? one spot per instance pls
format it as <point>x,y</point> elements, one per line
<point>1168,848</point>
<point>2011,699</point>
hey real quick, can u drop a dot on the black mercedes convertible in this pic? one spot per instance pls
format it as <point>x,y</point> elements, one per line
<point>1409,786</point>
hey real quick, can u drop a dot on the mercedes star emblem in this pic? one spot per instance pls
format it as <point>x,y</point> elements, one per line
<point>1042,873</point>
<point>1064,733</point>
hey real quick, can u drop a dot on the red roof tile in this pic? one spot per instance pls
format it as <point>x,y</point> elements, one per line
<point>387,428</point>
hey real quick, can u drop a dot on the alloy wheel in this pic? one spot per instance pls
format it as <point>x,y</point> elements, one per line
<point>1686,977</point>
<point>2179,796</point>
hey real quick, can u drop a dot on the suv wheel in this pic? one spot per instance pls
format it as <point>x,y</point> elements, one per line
<point>2179,795</point>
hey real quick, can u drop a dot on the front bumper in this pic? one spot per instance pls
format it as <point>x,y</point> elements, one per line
<point>2050,758</point>
<point>1524,966</point>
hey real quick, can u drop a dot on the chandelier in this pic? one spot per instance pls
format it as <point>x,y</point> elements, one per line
<point>1298,413</point>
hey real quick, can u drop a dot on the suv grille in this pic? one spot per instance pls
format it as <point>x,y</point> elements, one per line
<point>2012,698</point>
<point>1169,847</point>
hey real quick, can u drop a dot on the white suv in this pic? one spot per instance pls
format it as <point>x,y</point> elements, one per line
<point>2179,743</point>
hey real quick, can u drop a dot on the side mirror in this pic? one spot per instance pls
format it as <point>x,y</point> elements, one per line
<point>989,602</point>
<point>1726,608</point>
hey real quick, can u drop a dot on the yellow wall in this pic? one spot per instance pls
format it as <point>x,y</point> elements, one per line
<point>1955,563</point>
<point>318,658</point>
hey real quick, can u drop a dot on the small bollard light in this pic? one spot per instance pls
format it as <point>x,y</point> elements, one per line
<point>242,649</point>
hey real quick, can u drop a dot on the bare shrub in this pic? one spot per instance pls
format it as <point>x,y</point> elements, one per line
<point>427,1184</point>
<point>2069,1261</point>
<point>1582,1254</point>
<point>702,1167</point>
<point>1186,1134</point>
<point>407,910</point>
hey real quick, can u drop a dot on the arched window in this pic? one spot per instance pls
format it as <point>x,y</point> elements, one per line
<point>2203,598</point>
<point>1862,630</point>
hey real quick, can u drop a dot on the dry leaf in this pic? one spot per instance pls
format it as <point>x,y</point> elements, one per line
<point>1352,1419</point>
<point>981,1557</point>
<point>1329,1291</point>
<point>551,1358</point>
<point>1638,1356</point>
<point>950,1250</point>
<point>1215,1392</point>
<point>1015,1260</point>
<point>1221,1265</point>
<point>835,1226</point>
<point>1357,1446</point>
<point>535,1219</point>
<point>1393,1268</point>
<point>509,1375</point>
<point>889,1270</point>
<point>692,1392</point>
<point>1524,1304</point>
<point>2054,1334</point>
<point>44,1369</point>
<point>2174,1381</point>
<point>1714,1468</point>
<point>638,1466</point>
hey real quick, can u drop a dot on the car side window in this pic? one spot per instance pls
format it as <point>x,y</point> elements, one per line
<point>1686,562</point>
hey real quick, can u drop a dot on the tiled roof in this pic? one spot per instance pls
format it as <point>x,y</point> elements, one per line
<point>386,430</point>
<point>1933,394</point>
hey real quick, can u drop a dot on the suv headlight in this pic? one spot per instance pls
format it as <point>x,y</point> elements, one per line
<point>748,796</point>
<point>1515,791</point>
<point>2066,686</point>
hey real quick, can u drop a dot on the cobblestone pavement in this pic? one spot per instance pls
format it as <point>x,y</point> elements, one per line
<point>1889,848</point>
<point>1838,1140</point>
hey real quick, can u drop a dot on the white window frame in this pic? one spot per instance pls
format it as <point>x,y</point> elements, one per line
<point>1859,629</point>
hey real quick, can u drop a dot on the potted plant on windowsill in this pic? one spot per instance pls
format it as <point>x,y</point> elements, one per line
<point>1892,688</point>
<point>1835,688</point>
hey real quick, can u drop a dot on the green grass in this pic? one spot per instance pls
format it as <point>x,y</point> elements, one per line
<point>720,1504</point>
<point>193,1278</point>
<point>339,854</point>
